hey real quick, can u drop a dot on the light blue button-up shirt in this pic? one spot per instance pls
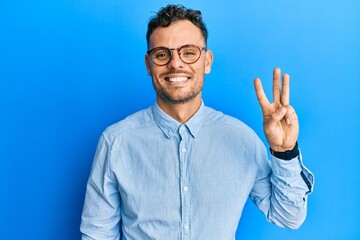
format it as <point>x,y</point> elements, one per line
<point>154,178</point>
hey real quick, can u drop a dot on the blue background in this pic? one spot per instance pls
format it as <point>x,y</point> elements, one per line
<point>69,68</point>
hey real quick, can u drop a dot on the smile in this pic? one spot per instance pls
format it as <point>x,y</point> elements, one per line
<point>177,79</point>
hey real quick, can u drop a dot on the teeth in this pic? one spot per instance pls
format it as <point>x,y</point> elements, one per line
<point>177,79</point>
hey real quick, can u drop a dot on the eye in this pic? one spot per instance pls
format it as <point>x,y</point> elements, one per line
<point>160,54</point>
<point>189,52</point>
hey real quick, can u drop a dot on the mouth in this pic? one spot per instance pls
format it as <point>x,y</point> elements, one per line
<point>178,79</point>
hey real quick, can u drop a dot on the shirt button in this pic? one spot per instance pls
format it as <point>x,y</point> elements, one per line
<point>183,150</point>
<point>182,128</point>
<point>185,189</point>
<point>186,227</point>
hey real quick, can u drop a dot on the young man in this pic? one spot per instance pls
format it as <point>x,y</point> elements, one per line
<point>181,170</point>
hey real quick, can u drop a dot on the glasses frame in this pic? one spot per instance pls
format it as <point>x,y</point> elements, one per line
<point>178,51</point>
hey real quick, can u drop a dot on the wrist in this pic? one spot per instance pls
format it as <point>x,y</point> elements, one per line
<point>287,154</point>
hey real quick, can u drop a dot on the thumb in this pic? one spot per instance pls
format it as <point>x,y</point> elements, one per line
<point>272,124</point>
<point>276,117</point>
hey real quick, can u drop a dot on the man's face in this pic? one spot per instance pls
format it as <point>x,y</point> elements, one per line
<point>178,82</point>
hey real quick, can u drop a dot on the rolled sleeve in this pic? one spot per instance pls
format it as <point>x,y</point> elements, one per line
<point>291,183</point>
<point>292,171</point>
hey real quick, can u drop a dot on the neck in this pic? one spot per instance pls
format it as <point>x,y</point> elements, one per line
<point>181,112</point>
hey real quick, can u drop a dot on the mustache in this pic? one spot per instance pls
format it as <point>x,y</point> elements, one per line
<point>174,72</point>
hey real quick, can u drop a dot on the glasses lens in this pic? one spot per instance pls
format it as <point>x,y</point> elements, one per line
<point>189,53</point>
<point>160,56</point>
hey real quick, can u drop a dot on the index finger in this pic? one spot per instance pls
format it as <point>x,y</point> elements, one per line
<point>260,94</point>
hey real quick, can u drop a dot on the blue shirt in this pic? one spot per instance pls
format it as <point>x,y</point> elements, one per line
<point>154,178</point>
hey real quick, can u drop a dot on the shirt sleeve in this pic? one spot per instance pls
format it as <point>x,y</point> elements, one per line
<point>281,190</point>
<point>100,218</point>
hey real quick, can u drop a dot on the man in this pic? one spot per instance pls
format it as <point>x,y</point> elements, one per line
<point>181,170</point>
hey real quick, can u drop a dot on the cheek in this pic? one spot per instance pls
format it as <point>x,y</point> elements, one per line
<point>152,71</point>
<point>199,71</point>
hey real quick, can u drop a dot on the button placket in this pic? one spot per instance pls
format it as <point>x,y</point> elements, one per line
<point>185,209</point>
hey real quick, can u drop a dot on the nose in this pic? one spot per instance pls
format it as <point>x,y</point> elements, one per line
<point>175,61</point>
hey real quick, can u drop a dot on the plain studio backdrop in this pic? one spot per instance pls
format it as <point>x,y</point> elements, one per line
<point>68,69</point>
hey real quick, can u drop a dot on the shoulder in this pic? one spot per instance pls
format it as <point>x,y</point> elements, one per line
<point>131,123</point>
<point>232,130</point>
<point>234,133</point>
<point>224,121</point>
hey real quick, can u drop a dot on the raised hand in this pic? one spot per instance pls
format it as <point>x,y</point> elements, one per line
<point>281,125</point>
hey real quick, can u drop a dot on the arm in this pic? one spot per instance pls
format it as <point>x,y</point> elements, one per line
<point>281,191</point>
<point>100,218</point>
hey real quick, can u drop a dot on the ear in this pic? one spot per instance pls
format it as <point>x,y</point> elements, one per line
<point>209,58</point>
<point>147,64</point>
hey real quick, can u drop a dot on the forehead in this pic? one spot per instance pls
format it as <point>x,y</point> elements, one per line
<point>177,34</point>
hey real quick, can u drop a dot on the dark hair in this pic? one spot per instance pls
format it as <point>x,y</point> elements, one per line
<point>172,13</point>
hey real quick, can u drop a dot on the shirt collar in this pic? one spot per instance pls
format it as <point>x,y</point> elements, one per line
<point>170,126</point>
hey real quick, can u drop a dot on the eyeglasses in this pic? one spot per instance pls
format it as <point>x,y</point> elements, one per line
<point>162,55</point>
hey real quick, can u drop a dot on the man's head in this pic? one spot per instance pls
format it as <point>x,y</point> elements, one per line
<point>177,58</point>
<point>172,13</point>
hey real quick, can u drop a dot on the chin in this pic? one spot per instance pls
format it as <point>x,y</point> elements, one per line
<point>179,100</point>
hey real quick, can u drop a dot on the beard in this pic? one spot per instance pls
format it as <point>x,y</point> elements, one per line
<point>176,95</point>
<point>177,99</point>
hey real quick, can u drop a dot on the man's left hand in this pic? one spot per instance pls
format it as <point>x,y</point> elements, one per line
<point>281,125</point>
